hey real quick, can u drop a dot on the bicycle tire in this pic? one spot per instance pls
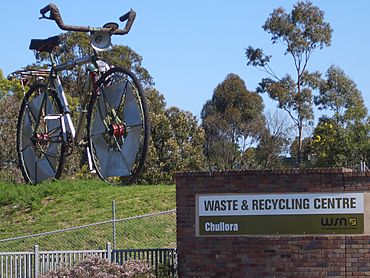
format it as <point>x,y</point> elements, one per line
<point>40,146</point>
<point>118,127</point>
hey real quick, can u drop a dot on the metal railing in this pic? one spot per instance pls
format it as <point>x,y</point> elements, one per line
<point>37,262</point>
<point>16,264</point>
<point>163,261</point>
<point>31,264</point>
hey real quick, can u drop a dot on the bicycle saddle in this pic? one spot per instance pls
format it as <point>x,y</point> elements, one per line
<point>45,45</point>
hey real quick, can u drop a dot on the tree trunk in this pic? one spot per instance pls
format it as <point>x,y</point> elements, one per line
<point>299,152</point>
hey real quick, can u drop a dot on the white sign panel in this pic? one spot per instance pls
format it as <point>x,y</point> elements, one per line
<point>280,204</point>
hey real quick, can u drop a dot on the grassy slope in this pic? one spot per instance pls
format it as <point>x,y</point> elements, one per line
<point>26,209</point>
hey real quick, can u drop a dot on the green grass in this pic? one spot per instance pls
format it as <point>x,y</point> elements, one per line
<point>28,209</point>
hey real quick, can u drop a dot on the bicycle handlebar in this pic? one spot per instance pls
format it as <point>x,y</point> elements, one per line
<point>57,17</point>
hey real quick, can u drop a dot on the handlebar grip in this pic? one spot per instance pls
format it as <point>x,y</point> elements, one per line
<point>126,16</point>
<point>57,17</point>
<point>130,17</point>
<point>45,10</point>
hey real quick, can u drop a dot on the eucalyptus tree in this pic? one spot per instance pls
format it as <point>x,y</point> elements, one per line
<point>340,138</point>
<point>232,121</point>
<point>176,141</point>
<point>302,32</point>
<point>339,94</point>
<point>274,141</point>
<point>10,93</point>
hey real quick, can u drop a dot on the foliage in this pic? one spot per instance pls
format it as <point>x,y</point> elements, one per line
<point>232,121</point>
<point>302,32</point>
<point>273,142</point>
<point>342,139</point>
<point>10,92</point>
<point>306,152</point>
<point>176,141</point>
<point>95,267</point>
<point>339,94</point>
<point>9,86</point>
<point>123,56</point>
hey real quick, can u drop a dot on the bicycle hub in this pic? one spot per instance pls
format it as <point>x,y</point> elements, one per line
<point>117,130</point>
<point>42,138</point>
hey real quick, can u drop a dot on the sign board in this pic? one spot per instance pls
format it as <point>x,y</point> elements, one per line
<point>298,213</point>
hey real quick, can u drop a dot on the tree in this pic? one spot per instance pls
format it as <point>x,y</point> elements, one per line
<point>188,138</point>
<point>274,141</point>
<point>232,120</point>
<point>9,87</point>
<point>176,141</point>
<point>10,92</point>
<point>302,32</point>
<point>339,94</point>
<point>342,139</point>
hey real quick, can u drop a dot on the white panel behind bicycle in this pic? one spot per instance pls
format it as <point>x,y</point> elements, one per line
<point>111,161</point>
<point>113,93</point>
<point>39,170</point>
<point>40,163</point>
<point>131,145</point>
<point>131,110</point>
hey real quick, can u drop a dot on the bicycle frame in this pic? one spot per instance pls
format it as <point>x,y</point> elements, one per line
<point>90,83</point>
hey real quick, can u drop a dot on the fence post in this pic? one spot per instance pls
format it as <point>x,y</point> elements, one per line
<point>109,252</point>
<point>36,260</point>
<point>114,224</point>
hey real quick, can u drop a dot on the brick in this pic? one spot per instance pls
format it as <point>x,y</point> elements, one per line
<point>268,256</point>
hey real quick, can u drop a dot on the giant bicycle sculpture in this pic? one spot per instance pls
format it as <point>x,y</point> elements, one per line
<point>113,110</point>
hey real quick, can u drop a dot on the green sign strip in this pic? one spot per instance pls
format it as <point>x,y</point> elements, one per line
<point>282,224</point>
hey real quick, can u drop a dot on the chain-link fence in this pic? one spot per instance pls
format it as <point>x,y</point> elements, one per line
<point>154,230</point>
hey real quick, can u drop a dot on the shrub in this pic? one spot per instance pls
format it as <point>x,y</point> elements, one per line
<point>95,267</point>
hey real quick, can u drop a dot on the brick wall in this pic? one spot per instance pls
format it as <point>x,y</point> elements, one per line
<point>268,256</point>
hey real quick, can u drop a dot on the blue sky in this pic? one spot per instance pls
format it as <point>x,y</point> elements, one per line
<point>190,46</point>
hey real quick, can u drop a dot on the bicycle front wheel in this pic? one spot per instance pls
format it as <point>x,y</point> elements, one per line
<point>118,127</point>
<point>40,146</point>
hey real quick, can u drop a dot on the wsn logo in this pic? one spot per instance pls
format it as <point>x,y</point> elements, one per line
<point>339,221</point>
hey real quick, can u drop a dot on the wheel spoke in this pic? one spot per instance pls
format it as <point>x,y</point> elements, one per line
<point>50,110</point>
<point>111,162</point>
<point>51,154</point>
<point>27,131</point>
<point>113,93</point>
<point>38,170</point>
<point>35,106</point>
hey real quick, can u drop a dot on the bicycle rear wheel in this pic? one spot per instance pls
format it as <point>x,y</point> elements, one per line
<point>118,127</point>
<point>40,146</point>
